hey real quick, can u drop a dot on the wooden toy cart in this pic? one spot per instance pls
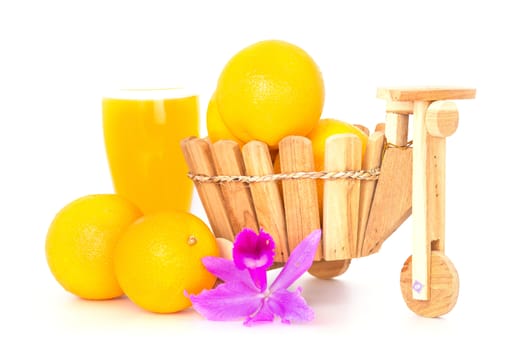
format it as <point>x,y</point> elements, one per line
<point>364,200</point>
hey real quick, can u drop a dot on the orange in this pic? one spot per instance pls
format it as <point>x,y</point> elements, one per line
<point>325,128</point>
<point>159,257</point>
<point>269,90</point>
<point>225,247</point>
<point>216,129</point>
<point>80,242</point>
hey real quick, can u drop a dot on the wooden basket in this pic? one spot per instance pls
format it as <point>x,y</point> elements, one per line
<point>364,200</point>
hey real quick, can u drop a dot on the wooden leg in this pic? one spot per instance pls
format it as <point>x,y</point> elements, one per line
<point>441,122</point>
<point>436,185</point>
<point>421,237</point>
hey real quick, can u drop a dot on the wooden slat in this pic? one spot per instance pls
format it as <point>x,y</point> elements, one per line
<point>300,195</point>
<point>336,239</point>
<point>197,153</point>
<point>421,93</point>
<point>355,163</point>
<point>267,201</point>
<point>436,187</point>
<point>392,200</point>
<point>397,128</point>
<point>372,160</point>
<point>227,159</point>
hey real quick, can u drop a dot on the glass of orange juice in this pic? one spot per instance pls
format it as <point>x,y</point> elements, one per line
<point>142,133</point>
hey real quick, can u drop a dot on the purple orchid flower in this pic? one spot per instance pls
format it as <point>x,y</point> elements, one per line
<point>244,293</point>
<point>254,252</point>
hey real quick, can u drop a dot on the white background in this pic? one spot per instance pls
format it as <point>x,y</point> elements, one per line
<point>56,57</point>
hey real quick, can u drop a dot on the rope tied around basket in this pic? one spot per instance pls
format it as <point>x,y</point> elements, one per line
<point>409,144</point>
<point>364,175</point>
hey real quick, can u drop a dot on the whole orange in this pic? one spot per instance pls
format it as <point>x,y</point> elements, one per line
<point>270,90</point>
<point>216,129</point>
<point>159,258</point>
<point>80,243</point>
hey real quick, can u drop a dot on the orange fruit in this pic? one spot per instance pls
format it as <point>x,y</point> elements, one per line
<point>80,242</point>
<point>159,257</point>
<point>269,90</point>
<point>225,248</point>
<point>325,128</point>
<point>216,129</point>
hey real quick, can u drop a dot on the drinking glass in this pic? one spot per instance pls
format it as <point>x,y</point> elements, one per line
<point>142,133</point>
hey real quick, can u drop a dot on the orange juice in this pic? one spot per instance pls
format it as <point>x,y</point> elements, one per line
<point>142,133</point>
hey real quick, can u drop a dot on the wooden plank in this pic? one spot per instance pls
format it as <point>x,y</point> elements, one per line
<point>267,201</point>
<point>336,237</point>
<point>422,93</point>
<point>300,195</point>
<point>436,188</point>
<point>372,160</point>
<point>397,128</point>
<point>392,200</point>
<point>355,163</point>
<point>441,122</point>
<point>197,153</point>
<point>227,159</point>
<point>421,237</point>
<point>400,107</point>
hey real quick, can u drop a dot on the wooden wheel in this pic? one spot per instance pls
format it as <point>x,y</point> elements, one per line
<point>329,269</point>
<point>443,292</point>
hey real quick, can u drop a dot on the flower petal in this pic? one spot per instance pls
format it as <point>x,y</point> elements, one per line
<point>263,315</point>
<point>227,301</point>
<point>290,306</point>
<point>226,270</point>
<point>299,261</point>
<point>253,251</point>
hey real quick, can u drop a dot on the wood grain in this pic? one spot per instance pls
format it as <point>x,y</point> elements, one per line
<point>421,235</point>
<point>372,160</point>
<point>436,192</point>
<point>267,201</point>
<point>197,153</point>
<point>336,208</point>
<point>442,118</point>
<point>392,200</point>
<point>300,195</point>
<point>425,93</point>
<point>329,269</point>
<point>400,107</point>
<point>227,160</point>
<point>397,128</point>
<point>444,287</point>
